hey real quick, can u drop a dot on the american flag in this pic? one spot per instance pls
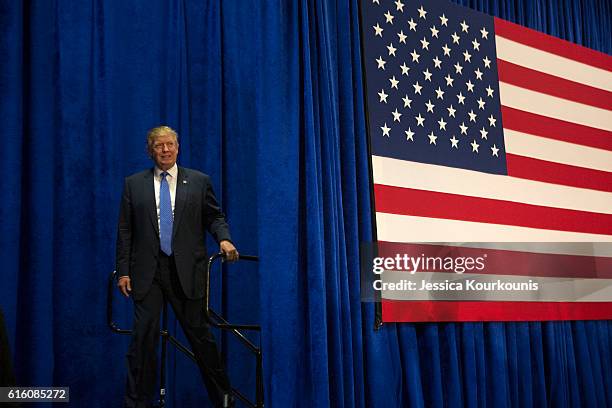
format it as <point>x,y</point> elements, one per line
<point>484,131</point>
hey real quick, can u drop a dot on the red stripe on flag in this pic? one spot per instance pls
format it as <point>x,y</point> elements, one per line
<point>557,173</point>
<point>407,201</point>
<point>507,262</point>
<point>548,43</point>
<point>552,85</point>
<point>556,129</point>
<point>445,311</point>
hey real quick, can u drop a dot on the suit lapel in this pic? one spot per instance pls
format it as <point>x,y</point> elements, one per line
<point>149,195</point>
<point>182,186</point>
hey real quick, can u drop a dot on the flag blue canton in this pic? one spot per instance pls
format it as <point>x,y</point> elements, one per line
<point>432,84</point>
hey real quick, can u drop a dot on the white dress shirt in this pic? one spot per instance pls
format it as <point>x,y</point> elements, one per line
<point>171,178</point>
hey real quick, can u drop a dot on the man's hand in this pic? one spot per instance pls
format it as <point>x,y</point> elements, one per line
<point>230,251</point>
<point>125,285</point>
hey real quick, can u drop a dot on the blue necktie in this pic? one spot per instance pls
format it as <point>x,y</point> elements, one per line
<point>165,216</point>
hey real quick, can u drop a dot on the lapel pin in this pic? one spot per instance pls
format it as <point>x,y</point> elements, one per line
<point>184,181</point>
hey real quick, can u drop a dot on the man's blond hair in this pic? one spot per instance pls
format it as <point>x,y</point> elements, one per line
<point>158,131</point>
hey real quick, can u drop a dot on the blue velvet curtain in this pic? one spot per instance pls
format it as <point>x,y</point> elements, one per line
<point>267,99</point>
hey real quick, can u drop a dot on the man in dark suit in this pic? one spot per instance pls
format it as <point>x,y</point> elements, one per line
<point>161,253</point>
<point>7,377</point>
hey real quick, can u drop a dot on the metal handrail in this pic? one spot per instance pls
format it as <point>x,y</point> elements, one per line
<point>217,321</point>
<point>224,325</point>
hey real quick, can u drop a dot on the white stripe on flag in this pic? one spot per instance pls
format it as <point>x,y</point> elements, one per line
<point>408,228</point>
<point>551,106</point>
<point>429,177</point>
<point>602,249</point>
<point>549,289</point>
<point>556,65</point>
<point>542,148</point>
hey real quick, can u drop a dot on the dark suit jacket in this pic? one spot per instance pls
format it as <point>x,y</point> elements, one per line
<point>7,377</point>
<point>196,211</point>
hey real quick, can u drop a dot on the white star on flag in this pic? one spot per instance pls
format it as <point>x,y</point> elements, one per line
<point>472,116</point>
<point>420,120</point>
<point>396,115</point>
<point>430,106</point>
<point>378,30</point>
<point>407,102</point>
<point>492,121</point>
<point>394,82</point>
<point>409,134</point>
<point>389,17</point>
<point>483,133</point>
<point>422,12</point>
<point>446,50</point>
<point>434,31</point>
<point>475,146</point>
<point>402,37</point>
<point>383,96</point>
<point>494,150</point>
<point>442,124</point>
<point>412,24</point>
<point>417,88</point>
<point>432,138</point>
<point>385,130</point>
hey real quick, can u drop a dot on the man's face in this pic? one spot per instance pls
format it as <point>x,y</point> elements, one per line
<point>164,151</point>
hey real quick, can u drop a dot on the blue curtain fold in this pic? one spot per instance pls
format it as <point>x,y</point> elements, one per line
<point>267,98</point>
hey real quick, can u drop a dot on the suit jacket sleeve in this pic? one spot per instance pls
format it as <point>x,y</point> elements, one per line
<point>124,233</point>
<point>213,217</point>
